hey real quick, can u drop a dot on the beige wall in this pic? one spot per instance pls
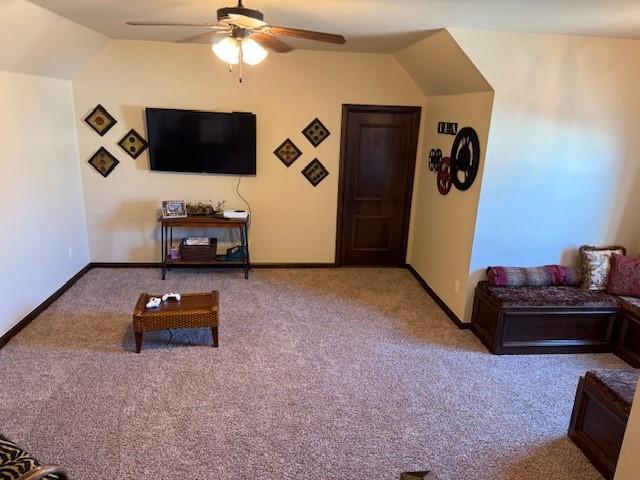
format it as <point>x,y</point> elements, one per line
<point>292,221</point>
<point>562,162</point>
<point>629,463</point>
<point>41,197</point>
<point>442,226</point>
<point>39,42</point>
<point>44,241</point>
<point>440,67</point>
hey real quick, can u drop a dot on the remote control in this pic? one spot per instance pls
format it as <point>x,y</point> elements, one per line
<point>167,296</point>
<point>154,302</point>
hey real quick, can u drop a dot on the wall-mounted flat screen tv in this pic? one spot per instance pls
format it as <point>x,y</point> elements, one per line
<point>201,142</point>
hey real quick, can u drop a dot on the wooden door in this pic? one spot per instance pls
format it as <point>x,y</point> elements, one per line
<point>377,161</point>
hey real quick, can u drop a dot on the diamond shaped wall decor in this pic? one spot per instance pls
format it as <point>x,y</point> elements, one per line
<point>315,172</point>
<point>103,162</point>
<point>133,143</point>
<point>100,120</point>
<point>316,132</point>
<point>287,152</point>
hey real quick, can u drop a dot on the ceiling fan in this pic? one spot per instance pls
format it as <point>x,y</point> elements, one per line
<point>246,35</point>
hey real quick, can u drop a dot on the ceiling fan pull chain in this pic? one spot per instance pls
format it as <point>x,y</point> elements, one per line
<point>240,63</point>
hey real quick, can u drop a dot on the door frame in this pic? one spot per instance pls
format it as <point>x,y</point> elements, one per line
<point>416,113</point>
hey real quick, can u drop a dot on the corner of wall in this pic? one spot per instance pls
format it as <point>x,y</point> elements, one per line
<point>628,467</point>
<point>442,227</point>
<point>439,66</point>
<point>83,208</point>
<point>561,169</point>
<point>51,186</point>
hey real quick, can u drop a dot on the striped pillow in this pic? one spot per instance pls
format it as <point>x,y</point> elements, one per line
<point>547,275</point>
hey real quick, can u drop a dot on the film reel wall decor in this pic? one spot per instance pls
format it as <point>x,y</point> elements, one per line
<point>444,176</point>
<point>460,168</point>
<point>465,158</point>
<point>435,157</point>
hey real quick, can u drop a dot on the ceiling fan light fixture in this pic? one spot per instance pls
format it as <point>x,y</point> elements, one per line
<point>252,52</point>
<point>239,24</point>
<point>227,50</point>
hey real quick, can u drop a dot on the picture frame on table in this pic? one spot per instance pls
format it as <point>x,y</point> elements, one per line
<point>174,209</point>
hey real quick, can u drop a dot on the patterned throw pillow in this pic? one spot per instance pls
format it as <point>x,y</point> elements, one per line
<point>596,265</point>
<point>624,278</point>
<point>15,462</point>
<point>548,275</point>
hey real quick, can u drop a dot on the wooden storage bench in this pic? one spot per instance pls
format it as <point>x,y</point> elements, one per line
<point>521,320</point>
<point>627,344</point>
<point>600,415</point>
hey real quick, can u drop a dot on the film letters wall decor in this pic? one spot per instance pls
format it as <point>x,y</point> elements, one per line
<point>447,128</point>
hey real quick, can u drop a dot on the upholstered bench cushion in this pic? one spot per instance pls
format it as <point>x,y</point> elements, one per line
<point>16,462</point>
<point>527,297</point>
<point>617,385</point>
<point>631,304</point>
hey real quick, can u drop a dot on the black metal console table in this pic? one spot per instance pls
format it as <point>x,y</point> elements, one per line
<point>168,224</point>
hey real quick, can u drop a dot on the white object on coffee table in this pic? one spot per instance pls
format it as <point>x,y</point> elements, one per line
<point>167,296</point>
<point>154,302</point>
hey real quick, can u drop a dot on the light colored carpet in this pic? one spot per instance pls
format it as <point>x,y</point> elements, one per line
<point>321,374</point>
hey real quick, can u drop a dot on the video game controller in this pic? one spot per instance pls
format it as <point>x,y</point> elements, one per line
<point>167,296</point>
<point>154,302</point>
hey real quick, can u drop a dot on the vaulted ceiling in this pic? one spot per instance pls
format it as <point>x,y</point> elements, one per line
<point>369,25</point>
<point>39,42</point>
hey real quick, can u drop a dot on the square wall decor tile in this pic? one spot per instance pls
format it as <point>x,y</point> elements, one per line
<point>133,143</point>
<point>103,162</point>
<point>315,172</point>
<point>288,152</point>
<point>100,120</point>
<point>316,132</point>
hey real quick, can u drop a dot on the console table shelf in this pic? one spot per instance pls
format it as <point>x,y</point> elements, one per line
<point>166,235</point>
<point>204,262</point>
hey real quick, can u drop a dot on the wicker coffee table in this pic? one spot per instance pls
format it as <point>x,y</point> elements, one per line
<point>194,310</point>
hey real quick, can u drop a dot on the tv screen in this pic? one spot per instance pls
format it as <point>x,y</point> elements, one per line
<point>202,142</point>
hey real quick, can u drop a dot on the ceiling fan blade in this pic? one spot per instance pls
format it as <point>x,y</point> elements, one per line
<point>177,24</point>
<point>208,37</point>
<point>307,34</point>
<point>271,42</point>
<point>243,21</point>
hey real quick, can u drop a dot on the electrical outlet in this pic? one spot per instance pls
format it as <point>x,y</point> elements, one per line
<point>70,253</point>
<point>456,286</point>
